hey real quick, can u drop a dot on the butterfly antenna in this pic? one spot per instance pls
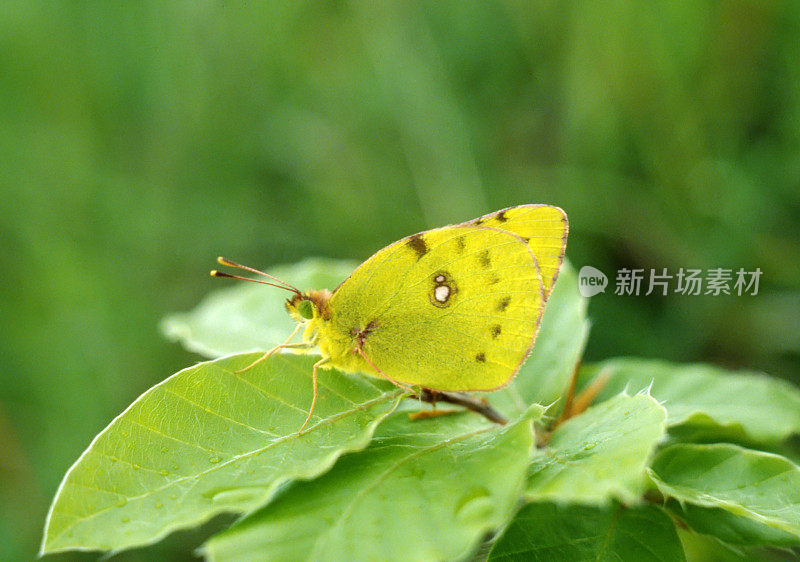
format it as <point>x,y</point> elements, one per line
<point>215,273</point>
<point>229,263</point>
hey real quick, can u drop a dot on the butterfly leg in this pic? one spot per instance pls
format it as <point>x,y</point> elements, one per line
<point>434,412</point>
<point>284,345</point>
<point>381,373</point>
<point>318,364</point>
<point>478,405</point>
<point>425,414</point>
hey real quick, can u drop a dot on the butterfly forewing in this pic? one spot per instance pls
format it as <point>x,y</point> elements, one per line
<point>455,308</point>
<point>545,229</point>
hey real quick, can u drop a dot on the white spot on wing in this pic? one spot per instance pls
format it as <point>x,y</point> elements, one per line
<point>441,293</point>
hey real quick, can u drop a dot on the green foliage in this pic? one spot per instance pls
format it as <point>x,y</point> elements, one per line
<point>420,491</point>
<point>730,528</point>
<point>545,532</point>
<point>709,403</point>
<point>754,485</point>
<point>600,455</point>
<point>365,480</point>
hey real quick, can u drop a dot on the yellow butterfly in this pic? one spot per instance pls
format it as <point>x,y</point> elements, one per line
<point>455,308</point>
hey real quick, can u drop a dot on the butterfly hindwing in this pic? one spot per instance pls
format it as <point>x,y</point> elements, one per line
<point>455,308</point>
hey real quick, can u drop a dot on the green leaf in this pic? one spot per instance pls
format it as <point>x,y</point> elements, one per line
<point>424,490</point>
<point>547,532</point>
<point>730,528</point>
<point>209,440</point>
<point>759,486</point>
<point>707,401</point>
<point>546,374</point>
<point>248,317</point>
<point>600,454</point>
<point>704,548</point>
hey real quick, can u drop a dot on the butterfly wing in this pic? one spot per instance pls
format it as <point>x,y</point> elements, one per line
<point>544,227</point>
<point>455,308</point>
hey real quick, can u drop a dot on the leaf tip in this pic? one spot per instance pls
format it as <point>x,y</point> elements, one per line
<point>536,411</point>
<point>646,391</point>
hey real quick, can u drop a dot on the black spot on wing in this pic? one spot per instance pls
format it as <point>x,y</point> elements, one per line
<point>496,329</point>
<point>485,259</point>
<point>418,244</point>
<point>480,357</point>
<point>503,304</point>
<point>461,243</point>
<point>501,216</point>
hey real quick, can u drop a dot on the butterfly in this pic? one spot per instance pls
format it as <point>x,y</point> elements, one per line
<point>455,308</point>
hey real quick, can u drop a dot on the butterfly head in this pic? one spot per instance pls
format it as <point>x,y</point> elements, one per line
<point>309,306</point>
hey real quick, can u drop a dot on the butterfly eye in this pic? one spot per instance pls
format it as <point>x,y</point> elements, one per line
<point>306,309</point>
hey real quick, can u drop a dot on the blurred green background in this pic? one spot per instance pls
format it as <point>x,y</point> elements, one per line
<point>139,140</point>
